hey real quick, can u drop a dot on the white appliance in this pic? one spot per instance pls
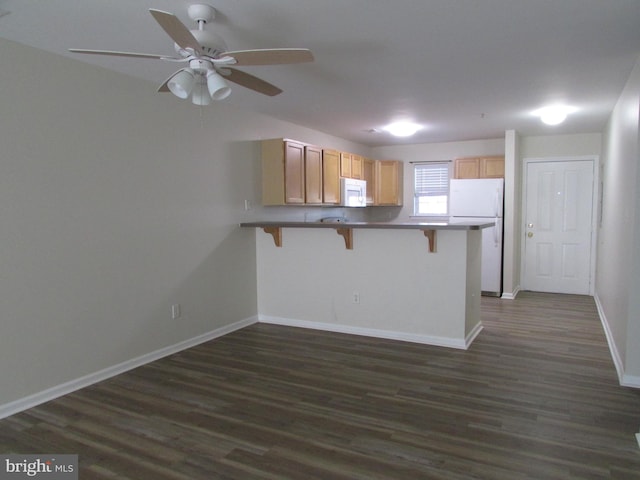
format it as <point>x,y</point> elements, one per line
<point>482,199</point>
<point>353,192</point>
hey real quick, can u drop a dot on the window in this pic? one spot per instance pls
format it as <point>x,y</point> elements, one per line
<point>431,189</point>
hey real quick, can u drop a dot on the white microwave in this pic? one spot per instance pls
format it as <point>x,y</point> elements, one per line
<point>353,192</point>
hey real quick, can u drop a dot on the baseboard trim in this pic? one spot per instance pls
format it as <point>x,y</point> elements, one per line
<point>52,393</point>
<point>475,331</point>
<point>624,379</point>
<point>511,295</point>
<point>632,381</point>
<point>372,332</point>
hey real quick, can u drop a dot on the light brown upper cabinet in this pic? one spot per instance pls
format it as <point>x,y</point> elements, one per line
<point>492,167</point>
<point>356,166</point>
<point>291,173</point>
<point>345,164</point>
<point>479,167</point>
<point>351,165</point>
<point>313,174</point>
<point>369,175</point>
<point>330,177</point>
<point>297,173</point>
<point>388,188</point>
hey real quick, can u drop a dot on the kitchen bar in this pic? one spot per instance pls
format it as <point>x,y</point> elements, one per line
<point>385,283</point>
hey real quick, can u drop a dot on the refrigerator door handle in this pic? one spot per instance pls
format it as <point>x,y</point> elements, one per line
<point>495,231</point>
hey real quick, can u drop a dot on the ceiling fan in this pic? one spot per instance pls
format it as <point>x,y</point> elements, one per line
<point>209,62</point>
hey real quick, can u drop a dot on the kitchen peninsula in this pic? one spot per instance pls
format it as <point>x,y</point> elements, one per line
<point>411,281</point>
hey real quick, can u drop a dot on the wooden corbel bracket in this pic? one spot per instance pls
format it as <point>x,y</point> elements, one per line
<point>347,234</point>
<point>431,236</point>
<point>276,233</point>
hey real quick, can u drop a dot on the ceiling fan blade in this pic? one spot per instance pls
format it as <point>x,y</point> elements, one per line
<point>165,86</point>
<point>120,54</point>
<point>251,82</point>
<point>176,30</point>
<point>270,56</point>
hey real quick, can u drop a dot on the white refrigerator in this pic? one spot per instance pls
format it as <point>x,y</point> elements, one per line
<point>482,199</point>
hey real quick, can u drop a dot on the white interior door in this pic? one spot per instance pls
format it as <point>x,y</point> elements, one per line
<point>558,218</point>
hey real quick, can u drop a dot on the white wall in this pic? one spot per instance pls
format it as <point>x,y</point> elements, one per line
<point>618,268</point>
<point>561,145</point>
<point>115,203</point>
<point>512,216</point>
<point>406,293</point>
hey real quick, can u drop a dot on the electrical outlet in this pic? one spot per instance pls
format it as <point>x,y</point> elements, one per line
<point>175,311</point>
<point>248,205</point>
<point>356,297</point>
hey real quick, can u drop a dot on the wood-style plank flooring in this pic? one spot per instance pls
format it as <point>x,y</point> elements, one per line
<point>535,397</point>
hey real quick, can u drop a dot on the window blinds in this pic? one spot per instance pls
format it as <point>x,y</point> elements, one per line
<point>431,179</point>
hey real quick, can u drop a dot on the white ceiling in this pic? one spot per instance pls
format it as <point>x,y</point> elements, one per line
<point>465,69</point>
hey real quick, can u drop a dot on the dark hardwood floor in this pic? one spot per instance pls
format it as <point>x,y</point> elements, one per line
<point>535,397</point>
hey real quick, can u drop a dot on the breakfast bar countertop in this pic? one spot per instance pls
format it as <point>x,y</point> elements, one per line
<point>462,225</point>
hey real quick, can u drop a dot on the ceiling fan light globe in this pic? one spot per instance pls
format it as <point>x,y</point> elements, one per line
<point>200,95</point>
<point>182,83</point>
<point>218,87</point>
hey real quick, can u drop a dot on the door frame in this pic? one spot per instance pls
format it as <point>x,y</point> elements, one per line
<point>595,210</point>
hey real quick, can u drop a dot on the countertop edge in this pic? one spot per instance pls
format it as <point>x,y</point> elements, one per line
<point>377,225</point>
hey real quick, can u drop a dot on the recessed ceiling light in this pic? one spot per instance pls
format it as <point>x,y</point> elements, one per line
<point>554,114</point>
<point>402,129</point>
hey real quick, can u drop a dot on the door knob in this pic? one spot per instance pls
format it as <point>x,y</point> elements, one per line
<point>530,234</point>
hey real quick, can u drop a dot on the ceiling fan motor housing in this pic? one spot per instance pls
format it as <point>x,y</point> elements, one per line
<point>211,43</point>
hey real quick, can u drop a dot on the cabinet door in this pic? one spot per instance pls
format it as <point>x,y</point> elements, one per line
<point>479,167</point>
<point>313,174</point>
<point>389,182</point>
<point>369,175</point>
<point>345,165</point>
<point>293,172</point>
<point>331,176</point>
<point>356,166</point>
<point>492,167</point>
<point>272,171</point>
<point>466,168</point>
